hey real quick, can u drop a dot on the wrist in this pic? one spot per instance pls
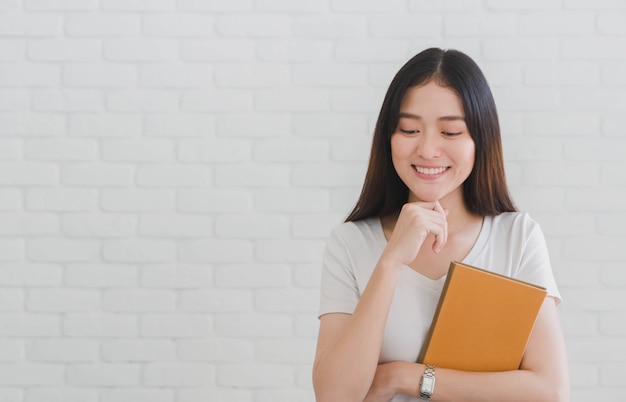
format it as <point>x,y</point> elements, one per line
<point>388,262</point>
<point>427,383</point>
<point>407,377</point>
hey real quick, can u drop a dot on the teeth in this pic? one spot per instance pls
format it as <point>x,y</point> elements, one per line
<point>430,170</point>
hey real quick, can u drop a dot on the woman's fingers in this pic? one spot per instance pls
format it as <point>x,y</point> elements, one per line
<point>417,220</point>
<point>442,237</point>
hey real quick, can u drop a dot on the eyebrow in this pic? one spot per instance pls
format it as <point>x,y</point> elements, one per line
<point>418,117</point>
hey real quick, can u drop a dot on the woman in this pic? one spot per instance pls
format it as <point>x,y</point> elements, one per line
<point>435,191</point>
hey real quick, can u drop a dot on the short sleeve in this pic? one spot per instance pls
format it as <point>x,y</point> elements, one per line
<point>535,266</point>
<point>338,289</point>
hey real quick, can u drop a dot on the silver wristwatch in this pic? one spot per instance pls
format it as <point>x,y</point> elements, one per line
<point>427,385</point>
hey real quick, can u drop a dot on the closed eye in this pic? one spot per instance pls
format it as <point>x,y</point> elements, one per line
<point>409,131</point>
<point>449,134</point>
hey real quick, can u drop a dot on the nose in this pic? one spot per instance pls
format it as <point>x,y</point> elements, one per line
<point>429,146</point>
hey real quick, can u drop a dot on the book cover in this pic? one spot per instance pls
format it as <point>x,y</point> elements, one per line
<point>482,322</point>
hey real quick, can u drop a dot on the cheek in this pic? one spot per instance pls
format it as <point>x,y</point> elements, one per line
<point>398,152</point>
<point>399,147</point>
<point>471,153</point>
<point>468,153</point>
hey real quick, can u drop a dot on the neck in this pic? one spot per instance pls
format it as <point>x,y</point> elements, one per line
<point>459,217</point>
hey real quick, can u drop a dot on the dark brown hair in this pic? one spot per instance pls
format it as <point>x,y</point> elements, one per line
<point>485,191</point>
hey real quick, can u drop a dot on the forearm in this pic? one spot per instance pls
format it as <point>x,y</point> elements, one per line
<point>346,369</point>
<point>506,386</point>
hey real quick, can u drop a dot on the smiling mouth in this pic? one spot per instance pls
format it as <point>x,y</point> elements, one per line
<point>433,171</point>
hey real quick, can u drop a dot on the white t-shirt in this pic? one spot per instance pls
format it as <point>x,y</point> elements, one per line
<point>510,244</point>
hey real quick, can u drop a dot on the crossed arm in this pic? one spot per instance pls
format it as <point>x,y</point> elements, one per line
<point>346,365</point>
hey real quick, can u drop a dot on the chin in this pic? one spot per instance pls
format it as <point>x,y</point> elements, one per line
<point>424,197</point>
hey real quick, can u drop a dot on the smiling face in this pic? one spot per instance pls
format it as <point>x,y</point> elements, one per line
<point>431,149</point>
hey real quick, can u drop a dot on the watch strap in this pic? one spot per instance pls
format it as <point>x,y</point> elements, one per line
<point>427,384</point>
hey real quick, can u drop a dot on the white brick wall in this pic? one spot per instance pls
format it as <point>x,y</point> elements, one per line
<point>170,169</point>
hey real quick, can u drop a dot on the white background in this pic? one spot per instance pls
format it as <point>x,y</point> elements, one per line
<point>170,169</point>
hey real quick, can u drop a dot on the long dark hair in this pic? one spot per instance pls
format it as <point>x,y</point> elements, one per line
<point>485,191</point>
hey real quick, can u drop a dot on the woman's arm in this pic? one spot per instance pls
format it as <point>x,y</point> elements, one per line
<point>349,346</point>
<point>543,375</point>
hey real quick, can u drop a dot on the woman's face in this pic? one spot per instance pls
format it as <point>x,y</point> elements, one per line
<point>431,148</point>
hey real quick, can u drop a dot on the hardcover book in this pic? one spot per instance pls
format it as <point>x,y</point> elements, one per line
<point>482,322</point>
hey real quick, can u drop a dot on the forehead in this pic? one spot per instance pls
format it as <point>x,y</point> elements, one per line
<point>431,99</point>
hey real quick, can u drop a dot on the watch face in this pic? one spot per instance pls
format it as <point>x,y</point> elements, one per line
<point>428,383</point>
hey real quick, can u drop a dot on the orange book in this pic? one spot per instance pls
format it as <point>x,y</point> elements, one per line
<point>483,321</point>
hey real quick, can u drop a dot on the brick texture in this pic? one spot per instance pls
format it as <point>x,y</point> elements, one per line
<point>170,170</point>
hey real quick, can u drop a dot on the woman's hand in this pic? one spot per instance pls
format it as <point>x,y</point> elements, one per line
<point>416,221</point>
